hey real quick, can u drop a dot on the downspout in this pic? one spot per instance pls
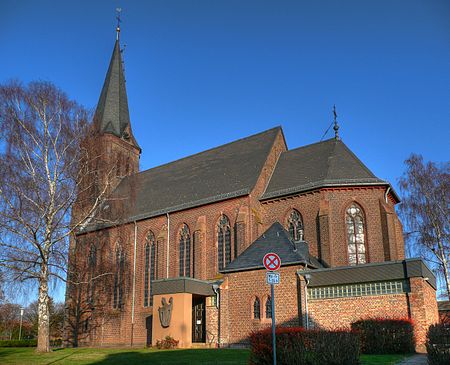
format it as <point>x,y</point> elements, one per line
<point>306,277</point>
<point>216,288</point>
<point>167,245</point>
<point>386,194</point>
<point>134,283</point>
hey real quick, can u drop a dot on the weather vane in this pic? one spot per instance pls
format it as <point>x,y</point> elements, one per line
<point>336,125</point>
<point>118,11</point>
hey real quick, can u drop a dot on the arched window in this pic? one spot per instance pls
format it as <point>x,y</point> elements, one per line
<point>92,263</point>
<point>296,226</point>
<point>256,309</point>
<point>223,242</point>
<point>185,251</point>
<point>149,267</point>
<point>118,277</point>
<point>269,307</point>
<point>356,235</point>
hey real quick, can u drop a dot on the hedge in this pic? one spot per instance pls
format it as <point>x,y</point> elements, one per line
<point>438,344</point>
<point>296,345</point>
<point>385,336</point>
<point>18,343</point>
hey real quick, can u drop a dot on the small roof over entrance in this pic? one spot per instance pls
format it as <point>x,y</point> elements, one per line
<point>183,285</point>
<point>275,239</point>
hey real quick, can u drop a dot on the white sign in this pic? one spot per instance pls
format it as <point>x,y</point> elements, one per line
<point>273,278</point>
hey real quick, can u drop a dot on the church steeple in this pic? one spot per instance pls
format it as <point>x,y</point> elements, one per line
<point>112,115</point>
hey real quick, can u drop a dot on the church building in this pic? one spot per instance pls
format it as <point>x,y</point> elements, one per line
<point>186,256</point>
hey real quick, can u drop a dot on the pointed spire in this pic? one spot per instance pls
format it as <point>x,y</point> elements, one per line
<point>112,115</point>
<point>336,125</point>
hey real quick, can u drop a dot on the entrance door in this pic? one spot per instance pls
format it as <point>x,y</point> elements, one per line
<point>148,326</point>
<point>198,319</point>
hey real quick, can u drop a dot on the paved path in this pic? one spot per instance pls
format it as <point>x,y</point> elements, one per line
<point>419,359</point>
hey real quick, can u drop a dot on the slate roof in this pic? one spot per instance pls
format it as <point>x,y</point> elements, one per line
<point>327,163</point>
<point>112,115</point>
<point>275,239</point>
<point>217,174</point>
<point>378,271</point>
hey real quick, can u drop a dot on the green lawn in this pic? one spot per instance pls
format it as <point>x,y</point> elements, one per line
<point>27,356</point>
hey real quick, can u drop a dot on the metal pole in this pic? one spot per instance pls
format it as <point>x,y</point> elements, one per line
<point>20,328</point>
<point>274,340</point>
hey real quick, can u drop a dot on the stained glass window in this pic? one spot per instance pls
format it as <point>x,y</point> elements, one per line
<point>269,307</point>
<point>223,242</point>
<point>296,226</point>
<point>185,251</point>
<point>149,267</point>
<point>354,220</point>
<point>256,309</point>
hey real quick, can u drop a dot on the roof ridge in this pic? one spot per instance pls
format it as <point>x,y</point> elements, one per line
<point>327,172</point>
<point>210,149</point>
<point>310,145</point>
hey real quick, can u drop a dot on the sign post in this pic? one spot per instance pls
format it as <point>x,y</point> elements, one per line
<point>272,262</point>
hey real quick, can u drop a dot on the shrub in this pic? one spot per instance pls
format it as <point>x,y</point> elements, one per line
<point>18,343</point>
<point>385,336</point>
<point>167,343</point>
<point>438,344</point>
<point>296,345</point>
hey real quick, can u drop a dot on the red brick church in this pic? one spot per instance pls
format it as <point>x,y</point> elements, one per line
<point>186,258</point>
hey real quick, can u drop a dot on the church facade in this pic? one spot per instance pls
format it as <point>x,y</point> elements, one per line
<point>185,258</point>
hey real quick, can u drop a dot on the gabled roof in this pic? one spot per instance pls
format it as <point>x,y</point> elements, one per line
<point>327,163</point>
<point>112,115</point>
<point>217,174</point>
<point>275,239</point>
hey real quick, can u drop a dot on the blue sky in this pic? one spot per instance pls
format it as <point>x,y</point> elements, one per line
<point>203,73</point>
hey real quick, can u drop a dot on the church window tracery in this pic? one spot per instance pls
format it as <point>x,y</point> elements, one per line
<point>185,251</point>
<point>256,309</point>
<point>149,268</point>
<point>356,234</point>
<point>296,229</point>
<point>223,242</point>
<point>269,307</point>
<point>118,277</point>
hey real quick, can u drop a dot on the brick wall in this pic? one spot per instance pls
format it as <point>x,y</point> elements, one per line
<point>240,293</point>
<point>323,213</point>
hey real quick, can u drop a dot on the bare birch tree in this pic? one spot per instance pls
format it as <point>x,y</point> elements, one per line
<point>425,207</point>
<point>46,166</point>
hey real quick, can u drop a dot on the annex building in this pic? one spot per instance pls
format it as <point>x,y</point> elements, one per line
<point>186,256</point>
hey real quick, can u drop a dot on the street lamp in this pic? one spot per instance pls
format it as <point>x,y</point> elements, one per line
<point>20,328</point>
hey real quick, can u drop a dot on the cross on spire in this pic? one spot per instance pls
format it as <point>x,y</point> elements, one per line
<point>336,125</point>
<point>118,11</point>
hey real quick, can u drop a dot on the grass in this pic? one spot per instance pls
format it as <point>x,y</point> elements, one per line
<point>83,356</point>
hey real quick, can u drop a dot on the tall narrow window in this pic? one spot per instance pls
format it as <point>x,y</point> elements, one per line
<point>354,220</point>
<point>118,278</point>
<point>224,242</point>
<point>256,309</point>
<point>92,262</point>
<point>153,260</point>
<point>185,251</point>
<point>269,307</point>
<point>149,264</point>
<point>295,222</point>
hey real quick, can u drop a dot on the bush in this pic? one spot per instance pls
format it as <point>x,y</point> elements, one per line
<point>438,344</point>
<point>296,345</point>
<point>385,336</point>
<point>18,343</point>
<point>167,343</point>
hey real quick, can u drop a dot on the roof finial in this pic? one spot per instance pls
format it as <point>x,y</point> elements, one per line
<point>118,11</point>
<point>336,125</point>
